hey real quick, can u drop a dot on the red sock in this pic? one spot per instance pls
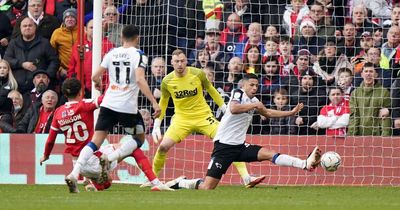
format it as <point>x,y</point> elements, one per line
<point>144,164</point>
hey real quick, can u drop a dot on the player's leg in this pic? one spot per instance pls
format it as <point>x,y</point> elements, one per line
<point>104,122</point>
<point>209,126</point>
<point>134,126</point>
<point>177,131</point>
<point>286,160</point>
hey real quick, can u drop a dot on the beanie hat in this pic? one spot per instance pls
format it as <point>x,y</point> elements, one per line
<point>308,22</point>
<point>70,12</point>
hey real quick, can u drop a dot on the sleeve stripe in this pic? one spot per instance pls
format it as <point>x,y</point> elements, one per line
<point>54,129</point>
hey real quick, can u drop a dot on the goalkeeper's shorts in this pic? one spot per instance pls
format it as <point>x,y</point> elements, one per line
<point>180,127</point>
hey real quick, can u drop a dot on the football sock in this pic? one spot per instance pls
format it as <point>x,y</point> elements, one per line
<point>124,150</point>
<point>242,170</point>
<point>145,165</point>
<point>159,161</point>
<point>84,156</point>
<point>286,160</point>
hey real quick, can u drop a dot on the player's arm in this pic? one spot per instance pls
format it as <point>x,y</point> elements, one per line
<point>49,145</point>
<point>144,87</point>
<point>211,90</point>
<point>96,77</point>
<point>271,113</point>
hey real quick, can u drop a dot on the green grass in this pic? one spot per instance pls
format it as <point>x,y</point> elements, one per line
<point>119,196</point>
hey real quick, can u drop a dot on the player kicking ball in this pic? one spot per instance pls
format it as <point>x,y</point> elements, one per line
<point>75,120</point>
<point>230,145</point>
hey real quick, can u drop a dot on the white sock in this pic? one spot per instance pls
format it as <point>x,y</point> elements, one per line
<point>84,156</point>
<point>247,179</point>
<point>126,149</point>
<point>156,182</point>
<point>188,183</point>
<point>286,160</point>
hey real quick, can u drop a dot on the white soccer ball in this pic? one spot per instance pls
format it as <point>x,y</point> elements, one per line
<point>331,161</point>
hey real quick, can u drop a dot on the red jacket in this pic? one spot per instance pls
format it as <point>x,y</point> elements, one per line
<point>73,66</point>
<point>241,33</point>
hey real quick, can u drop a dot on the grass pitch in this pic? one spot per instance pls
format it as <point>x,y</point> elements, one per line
<point>120,196</point>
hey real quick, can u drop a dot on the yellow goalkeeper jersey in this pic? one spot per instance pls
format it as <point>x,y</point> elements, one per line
<point>187,93</point>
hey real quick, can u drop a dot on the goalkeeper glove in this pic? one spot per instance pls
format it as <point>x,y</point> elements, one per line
<point>156,133</point>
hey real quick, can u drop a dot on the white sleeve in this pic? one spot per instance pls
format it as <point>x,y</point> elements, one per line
<point>106,60</point>
<point>342,121</point>
<point>325,121</point>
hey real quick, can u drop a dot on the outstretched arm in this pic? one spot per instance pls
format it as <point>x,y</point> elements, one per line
<point>49,146</point>
<point>276,113</point>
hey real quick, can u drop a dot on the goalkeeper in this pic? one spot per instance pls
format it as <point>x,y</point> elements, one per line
<point>192,114</point>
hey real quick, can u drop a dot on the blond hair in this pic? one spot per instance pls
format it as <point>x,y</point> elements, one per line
<point>11,79</point>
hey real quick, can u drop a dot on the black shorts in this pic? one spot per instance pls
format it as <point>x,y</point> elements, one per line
<point>224,155</point>
<point>132,123</point>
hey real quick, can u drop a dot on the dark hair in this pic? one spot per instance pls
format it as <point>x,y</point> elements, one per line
<point>369,64</point>
<point>285,38</point>
<point>334,88</point>
<point>71,87</point>
<point>271,59</point>
<point>272,39</point>
<point>250,76</point>
<point>130,32</point>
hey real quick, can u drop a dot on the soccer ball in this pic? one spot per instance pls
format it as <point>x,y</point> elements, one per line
<point>331,161</point>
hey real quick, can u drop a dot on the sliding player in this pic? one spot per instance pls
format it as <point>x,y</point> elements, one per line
<point>75,119</point>
<point>230,145</point>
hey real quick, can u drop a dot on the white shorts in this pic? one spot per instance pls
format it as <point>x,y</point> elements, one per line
<point>92,169</point>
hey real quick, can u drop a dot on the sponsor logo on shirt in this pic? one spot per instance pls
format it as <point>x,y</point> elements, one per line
<point>185,93</point>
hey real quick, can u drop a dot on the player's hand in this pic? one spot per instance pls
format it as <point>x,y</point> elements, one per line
<point>42,159</point>
<point>156,133</point>
<point>299,121</point>
<point>314,126</point>
<point>157,110</point>
<point>223,108</point>
<point>298,108</point>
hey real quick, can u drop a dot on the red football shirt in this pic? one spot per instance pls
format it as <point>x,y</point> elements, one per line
<point>75,119</point>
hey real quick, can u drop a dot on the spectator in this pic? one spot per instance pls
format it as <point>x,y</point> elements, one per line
<point>7,80</point>
<point>41,83</point>
<point>389,55</point>
<point>5,33</point>
<point>111,26</point>
<point>6,118</point>
<point>247,11</point>
<point>327,61</point>
<point>270,80</point>
<point>253,60</point>
<point>281,125</point>
<point>234,33</point>
<point>45,24</point>
<point>157,74</point>
<point>394,18</point>
<point>17,9</point>
<point>293,16</point>
<point>18,103</point>
<point>29,52</point>
<point>366,43</point>
<point>63,39</point>
<point>335,116</point>
<point>345,82</point>
<point>347,44</point>
<point>286,57</point>
<point>38,118</point>
<point>58,7</point>
<point>379,8</point>
<point>378,37</point>
<point>271,46</point>
<point>235,73</point>
<point>395,97</point>
<point>360,20</point>
<point>254,35</point>
<point>202,57</point>
<point>86,50</point>
<point>308,38</point>
<point>369,106</point>
<point>271,31</point>
<point>313,97</point>
<point>324,28</point>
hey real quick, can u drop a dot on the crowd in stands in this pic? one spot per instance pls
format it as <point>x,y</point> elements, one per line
<point>339,58</point>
